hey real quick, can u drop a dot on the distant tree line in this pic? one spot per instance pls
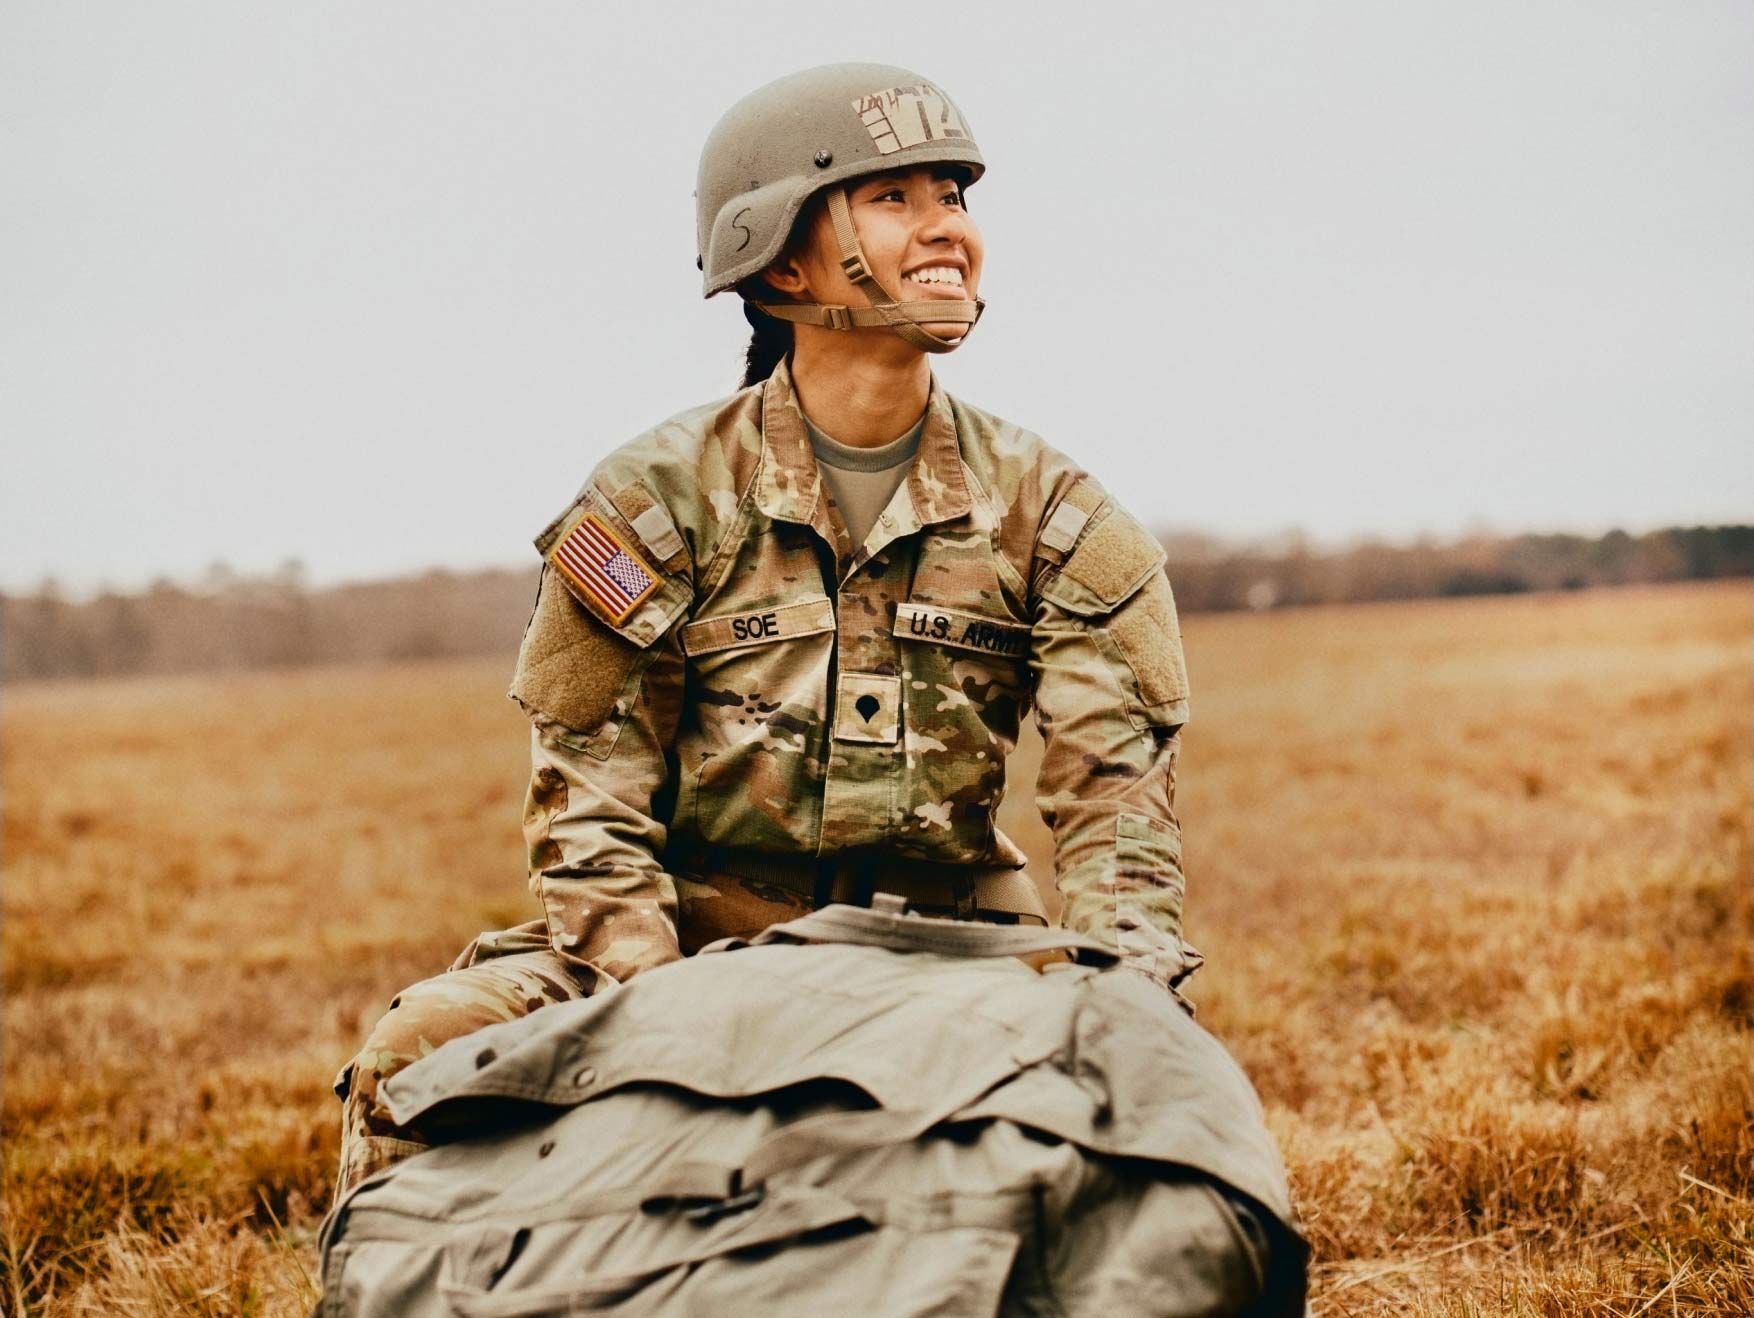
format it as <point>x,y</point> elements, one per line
<point>239,623</point>
<point>232,622</point>
<point>1210,576</point>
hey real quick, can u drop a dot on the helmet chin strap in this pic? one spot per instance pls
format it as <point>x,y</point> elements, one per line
<point>908,319</point>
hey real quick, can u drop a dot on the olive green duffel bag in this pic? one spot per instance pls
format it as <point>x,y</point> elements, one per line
<point>858,1112</point>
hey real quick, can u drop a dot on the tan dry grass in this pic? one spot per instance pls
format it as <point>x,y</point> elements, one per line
<point>1472,878</point>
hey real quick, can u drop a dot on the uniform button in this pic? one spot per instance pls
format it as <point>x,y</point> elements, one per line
<point>585,1075</point>
<point>886,521</point>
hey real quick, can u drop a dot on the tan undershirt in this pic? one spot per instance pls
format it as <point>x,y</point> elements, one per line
<point>864,480</point>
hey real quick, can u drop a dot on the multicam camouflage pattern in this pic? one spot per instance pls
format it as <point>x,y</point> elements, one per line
<point>421,1018</point>
<point>783,691</point>
<point>788,692</point>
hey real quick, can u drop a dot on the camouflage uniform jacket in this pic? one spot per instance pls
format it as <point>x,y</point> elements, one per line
<point>712,663</point>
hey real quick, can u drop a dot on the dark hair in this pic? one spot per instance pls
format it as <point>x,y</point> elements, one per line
<point>769,342</point>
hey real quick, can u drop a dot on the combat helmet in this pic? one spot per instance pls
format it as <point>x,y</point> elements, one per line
<point>812,132</point>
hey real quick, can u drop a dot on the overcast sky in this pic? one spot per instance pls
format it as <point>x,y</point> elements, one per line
<point>374,285</point>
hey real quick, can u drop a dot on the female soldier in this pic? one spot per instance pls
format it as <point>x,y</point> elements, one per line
<point>783,641</point>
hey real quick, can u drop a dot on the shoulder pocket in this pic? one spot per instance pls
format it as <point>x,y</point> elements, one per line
<point>1109,561</point>
<point>605,565</point>
<point>575,674</point>
<point>1148,636</point>
<point>601,609</point>
<point>1113,578</point>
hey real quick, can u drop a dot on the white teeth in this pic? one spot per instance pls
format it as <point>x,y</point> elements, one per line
<point>938,274</point>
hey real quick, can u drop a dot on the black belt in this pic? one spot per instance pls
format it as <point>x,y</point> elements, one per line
<point>966,891</point>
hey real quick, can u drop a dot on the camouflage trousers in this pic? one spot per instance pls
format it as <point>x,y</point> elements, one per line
<point>499,977</point>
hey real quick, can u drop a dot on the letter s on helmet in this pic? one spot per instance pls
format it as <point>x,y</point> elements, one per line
<point>816,131</point>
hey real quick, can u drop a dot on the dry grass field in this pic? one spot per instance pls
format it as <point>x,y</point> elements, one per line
<point>1472,878</point>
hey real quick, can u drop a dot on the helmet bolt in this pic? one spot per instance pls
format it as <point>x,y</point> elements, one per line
<point>824,159</point>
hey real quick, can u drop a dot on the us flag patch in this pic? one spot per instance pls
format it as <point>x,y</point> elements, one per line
<point>594,560</point>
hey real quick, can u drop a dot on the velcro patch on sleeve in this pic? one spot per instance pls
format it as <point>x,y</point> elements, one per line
<point>571,668</point>
<point>1149,637</point>
<point>802,618</point>
<point>1114,558</point>
<point>606,574</point>
<point>960,630</point>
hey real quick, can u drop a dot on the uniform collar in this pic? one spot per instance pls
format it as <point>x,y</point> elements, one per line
<point>791,487</point>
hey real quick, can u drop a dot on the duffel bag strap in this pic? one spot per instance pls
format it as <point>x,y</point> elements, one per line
<point>886,925</point>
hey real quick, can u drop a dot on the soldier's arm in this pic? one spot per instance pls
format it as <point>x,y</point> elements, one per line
<point>604,696</point>
<point>1111,696</point>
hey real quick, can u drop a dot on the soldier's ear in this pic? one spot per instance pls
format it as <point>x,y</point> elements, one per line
<point>787,276</point>
<point>810,230</point>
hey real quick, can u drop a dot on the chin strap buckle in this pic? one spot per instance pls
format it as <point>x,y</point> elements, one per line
<point>837,317</point>
<point>855,267</point>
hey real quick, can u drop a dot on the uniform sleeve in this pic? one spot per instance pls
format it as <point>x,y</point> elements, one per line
<point>604,702</point>
<point>1111,696</point>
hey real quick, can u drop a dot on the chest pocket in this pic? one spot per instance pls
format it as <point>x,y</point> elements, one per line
<point>757,689</point>
<point>967,677</point>
<point>966,683</point>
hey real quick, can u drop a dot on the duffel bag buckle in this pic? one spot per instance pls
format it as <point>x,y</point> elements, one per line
<point>717,1209</point>
<point>889,903</point>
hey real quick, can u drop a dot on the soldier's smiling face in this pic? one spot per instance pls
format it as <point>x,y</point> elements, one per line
<point>920,242</point>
